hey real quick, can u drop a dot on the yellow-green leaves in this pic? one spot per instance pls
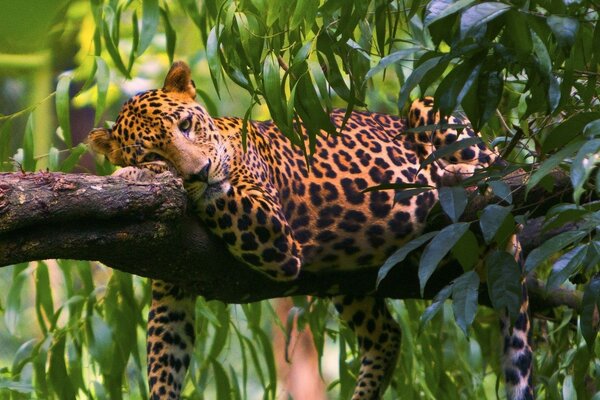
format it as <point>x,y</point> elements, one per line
<point>150,17</point>
<point>62,108</point>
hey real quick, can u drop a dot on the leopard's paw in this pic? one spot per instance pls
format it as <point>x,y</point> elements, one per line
<point>135,174</point>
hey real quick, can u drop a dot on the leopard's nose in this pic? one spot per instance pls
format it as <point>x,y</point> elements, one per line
<point>201,175</point>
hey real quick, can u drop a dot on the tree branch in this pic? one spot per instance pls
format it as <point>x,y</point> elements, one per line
<point>146,229</point>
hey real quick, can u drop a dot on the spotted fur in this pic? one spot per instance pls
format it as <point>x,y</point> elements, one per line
<point>279,216</point>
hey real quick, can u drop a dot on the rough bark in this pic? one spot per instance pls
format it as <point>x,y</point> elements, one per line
<point>148,229</point>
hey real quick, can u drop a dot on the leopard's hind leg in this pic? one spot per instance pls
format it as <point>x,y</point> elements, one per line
<point>378,337</point>
<point>170,339</point>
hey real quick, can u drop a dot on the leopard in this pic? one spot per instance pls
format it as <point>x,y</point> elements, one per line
<point>282,213</point>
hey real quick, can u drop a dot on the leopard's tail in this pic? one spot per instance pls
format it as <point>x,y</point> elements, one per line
<point>517,355</point>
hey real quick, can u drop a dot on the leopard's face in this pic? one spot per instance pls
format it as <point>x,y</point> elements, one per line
<point>167,125</point>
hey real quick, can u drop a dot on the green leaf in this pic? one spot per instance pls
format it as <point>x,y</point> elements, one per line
<point>390,59</point>
<point>482,100</point>
<point>325,47</point>
<point>437,249</point>
<point>102,81</point>
<point>221,331</point>
<point>306,10</point>
<point>13,300</point>
<point>589,306</point>
<point>517,29</point>
<point>414,79</point>
<point>113,51</point>
<point>455,86</point>
<point>397,186</point>
<point>504,282</point>
<point>57,370</point>
<point>450,149</point>
<point>480,14</point>
<point>150,16</point>
<point>44,305</point>
<point>408,193</point>
<point>584,162</point>
<point>568,130</point>
<point>438,9</point>
<point>491,220</point>
<point>100,341</point>
<point>465,290</point>
<point>566,266</point>
<point>221,380</point>
<point>466,251</point>
<point>435,307</point>
<point>592,128</point>
<point>74,156</point>
<point>23,355</point>
<point>453,201</point>
<point>62,107</point>
<point>501,190</point>
<point>552,162</point>
<point>212,56</point>
<point>170,33</point>
<point>53,158</point>
<point>551,246</point>
<point>400,254</point>
<point>28,162</point>
<point>272,89</point>
<point>564,28</point>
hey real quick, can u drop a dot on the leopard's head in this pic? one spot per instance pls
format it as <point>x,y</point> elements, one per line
<point>166,125</point>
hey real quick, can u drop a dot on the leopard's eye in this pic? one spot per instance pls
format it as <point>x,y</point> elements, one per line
<point>185,126</point>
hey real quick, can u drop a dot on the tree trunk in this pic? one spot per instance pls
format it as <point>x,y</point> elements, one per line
<point>146,228</point>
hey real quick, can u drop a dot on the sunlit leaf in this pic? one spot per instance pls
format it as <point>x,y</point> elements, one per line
<point>62,107</point>
<point>170,33</point>
<point>102,81</point>
<point>150,16</point>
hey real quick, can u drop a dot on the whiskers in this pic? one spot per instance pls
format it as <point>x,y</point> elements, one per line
<point>195,189</point>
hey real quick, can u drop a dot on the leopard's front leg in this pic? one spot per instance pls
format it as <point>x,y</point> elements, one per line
<point>251,222</point>
<point>170,333</point>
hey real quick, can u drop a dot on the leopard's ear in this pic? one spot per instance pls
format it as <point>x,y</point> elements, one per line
<point>179,80</point>
<point>101,141</point>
